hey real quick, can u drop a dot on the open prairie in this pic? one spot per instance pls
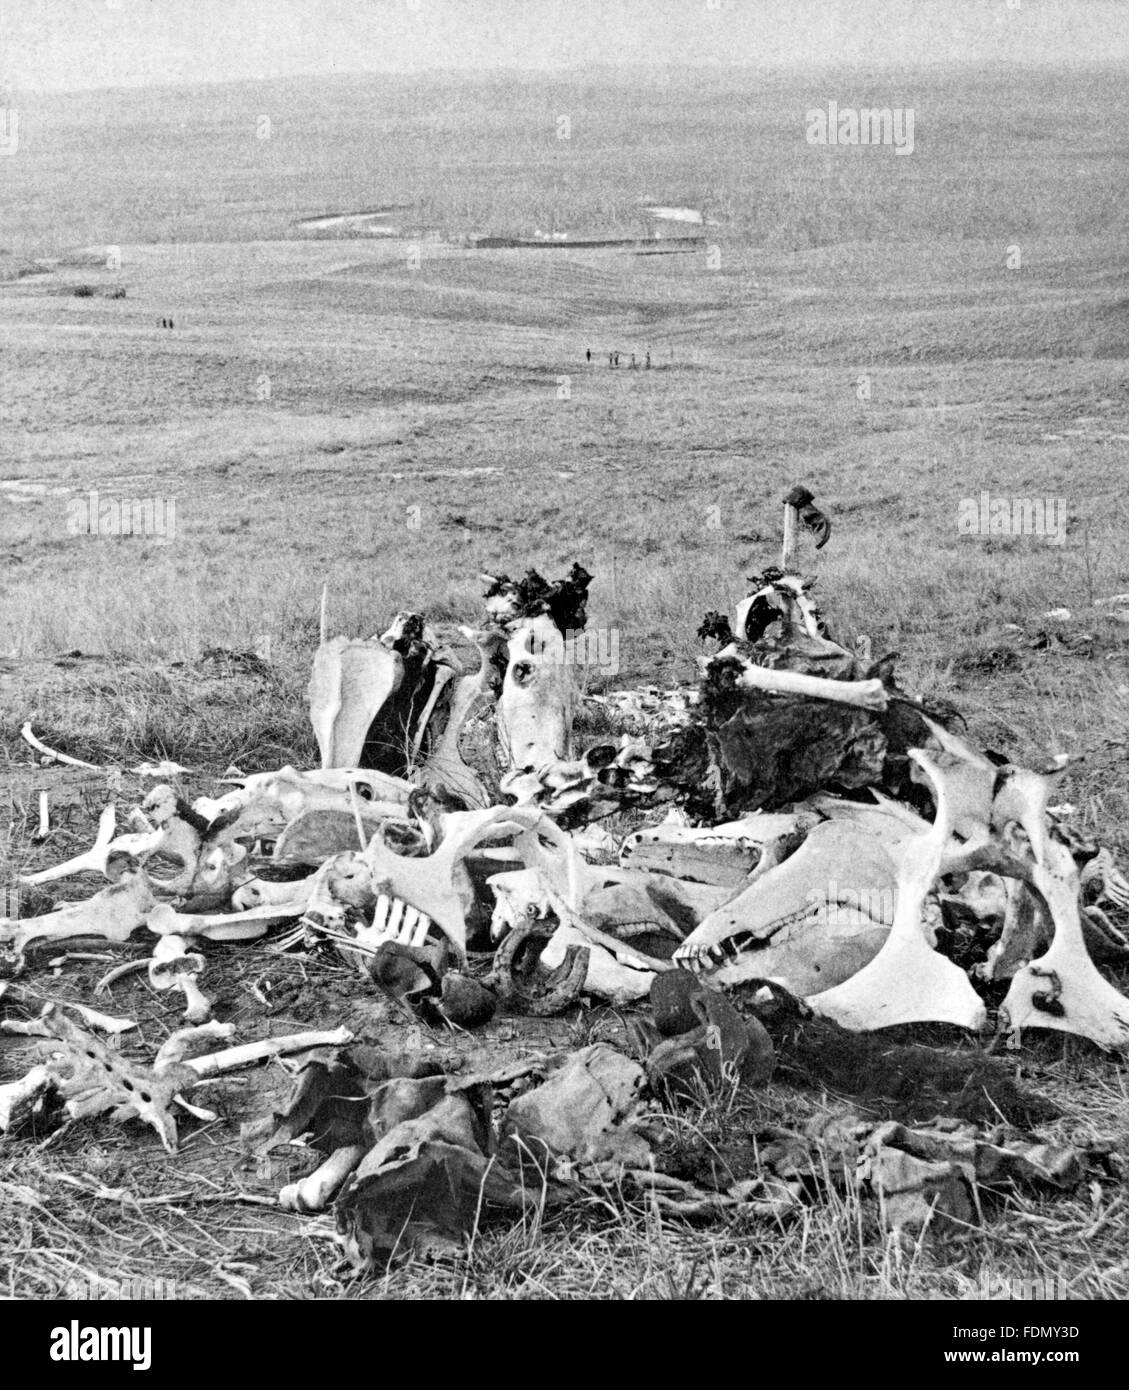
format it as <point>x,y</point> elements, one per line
<point>392,414</point>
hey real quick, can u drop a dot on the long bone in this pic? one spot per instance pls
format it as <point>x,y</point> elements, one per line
<point>908,981</point>
<point>50,754</point>
<point>868,694</point>
<point>258,892</point>
<point>162,920</point>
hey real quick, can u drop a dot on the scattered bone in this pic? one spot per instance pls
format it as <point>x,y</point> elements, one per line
<point>49,753</point>
<point>173,967</point>
<point>119,972</point>
<point>215,1063</point>
<point>44,827</point>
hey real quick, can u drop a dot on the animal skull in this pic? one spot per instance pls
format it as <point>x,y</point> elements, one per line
<point>538,699</point>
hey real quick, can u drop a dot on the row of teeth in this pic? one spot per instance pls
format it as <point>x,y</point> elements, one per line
<point>703,958</point>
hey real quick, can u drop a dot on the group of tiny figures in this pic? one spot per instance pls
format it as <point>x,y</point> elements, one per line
<point>613,358</point>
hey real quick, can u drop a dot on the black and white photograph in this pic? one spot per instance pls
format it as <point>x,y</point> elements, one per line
<point>564,663</point>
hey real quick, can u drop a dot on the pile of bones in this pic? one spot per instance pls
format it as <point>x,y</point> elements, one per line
<point>804,826</point>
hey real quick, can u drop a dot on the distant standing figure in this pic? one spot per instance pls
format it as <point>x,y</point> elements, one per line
<point>617,359</point>
<point>588,356</point>
<point>633,363</point>
<point>611,360</point>
<point>648,361</point>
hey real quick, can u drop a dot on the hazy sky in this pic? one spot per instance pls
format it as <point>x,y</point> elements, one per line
<point>58,44</point>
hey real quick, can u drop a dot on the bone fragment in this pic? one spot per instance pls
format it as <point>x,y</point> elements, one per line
<point>215,1063</point>
<point>173,967</point>
<point>19,1099</point>
<point>44,828</point>
<point>177,1045</point>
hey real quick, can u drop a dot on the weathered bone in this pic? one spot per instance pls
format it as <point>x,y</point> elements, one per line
<point>220,926</point>
<point>266,803</point>
<point>93,861</point>
<point>28,737</point>
<point>232,1058</point>
<point>179,1044</point>
<point>1061,989</point>
<point>171,835</point>
<point>908,981</point>
<point>723,855</point>
<point>20,1099</point>
<point>810,922</point>
<point>518,895</point>
<point>538,699</point>
<point>615,980</point>
<point>445,769</point>
<point>114,913</point>
<point>316,1191</point>
<point>173,967</point>
<point>868,694</point>
<point>259,892</point>
<point>349,685</point>
<point>92,1079</point>
<point>536,991</point>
